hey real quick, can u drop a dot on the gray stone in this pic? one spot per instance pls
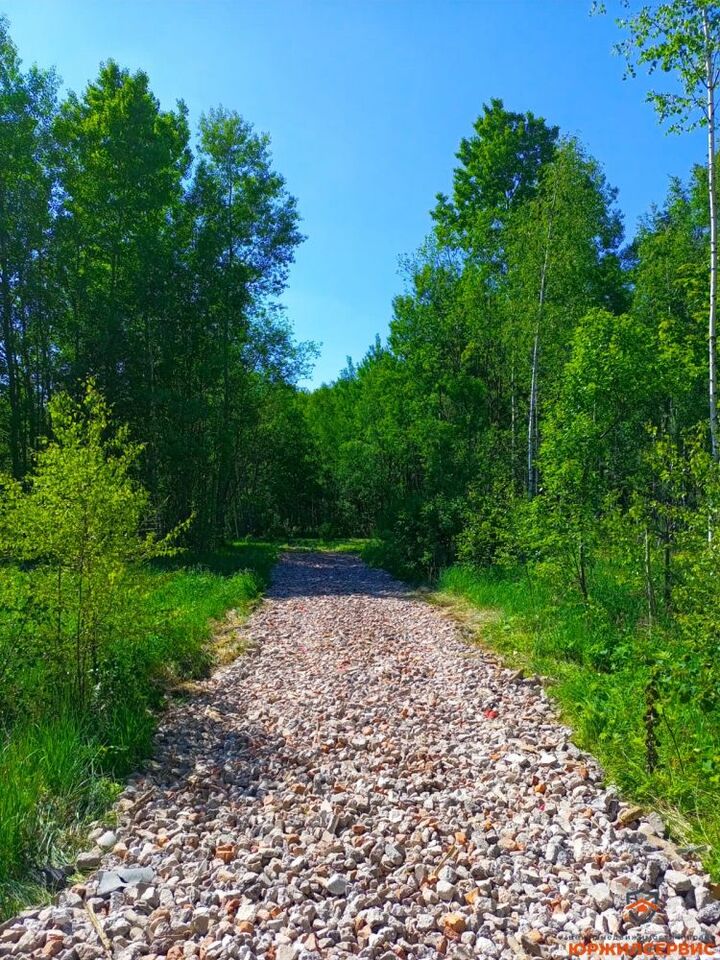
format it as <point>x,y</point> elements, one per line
<point>107,840</point>
<point>680,882</point>
<point>108,881</point>
<point>336,885</point>
<point>89,860</point>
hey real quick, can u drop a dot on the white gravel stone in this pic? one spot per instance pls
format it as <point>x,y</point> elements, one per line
<point>600,893</point>
<point>107,840</point>
<point>680,882</point>
<point>446,890</point>
<point>336,885</point>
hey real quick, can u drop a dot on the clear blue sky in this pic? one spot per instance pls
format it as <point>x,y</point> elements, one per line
<point>366,101</point>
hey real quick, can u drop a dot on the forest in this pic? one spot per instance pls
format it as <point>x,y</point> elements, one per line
<point>537,434</point>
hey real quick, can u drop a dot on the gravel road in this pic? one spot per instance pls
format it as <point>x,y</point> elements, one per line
<point>366,783</point>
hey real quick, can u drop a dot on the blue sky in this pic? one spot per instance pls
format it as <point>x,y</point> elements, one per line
<point>366,102</point>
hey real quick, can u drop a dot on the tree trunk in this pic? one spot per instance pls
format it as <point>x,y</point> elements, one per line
<point>532,413</point>
<point>582,570</point>
<point>712,332</point>
<point>11,370</point>
<point>533,431</point>
<point>533,418</point>
<point>513,425</point>
<point>649,586</point>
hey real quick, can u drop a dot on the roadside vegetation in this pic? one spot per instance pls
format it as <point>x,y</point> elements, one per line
<point>99,624</point>
<point>618,686</point>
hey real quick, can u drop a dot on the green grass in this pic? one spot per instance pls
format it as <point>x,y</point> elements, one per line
<point>325,545</point>
<point>383,553</point>
<point>59,770</point>
<point>599,662</point>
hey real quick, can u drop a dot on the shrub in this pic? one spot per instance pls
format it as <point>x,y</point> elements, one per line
<point>69,540</point>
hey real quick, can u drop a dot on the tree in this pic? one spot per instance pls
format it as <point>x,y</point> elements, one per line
<point>122,165</point>
<point>498,170</point>
<point>562,260</point>
<point>245,233</point>
<point>594,435</point>
<point>682,37</point>
<point>27,106</point>
<point>77,525</point>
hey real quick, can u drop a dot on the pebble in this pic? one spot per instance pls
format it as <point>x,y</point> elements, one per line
<point>336,885</point>
<point>89,860</point>
<point>107,840</point>
<point>679,882</point>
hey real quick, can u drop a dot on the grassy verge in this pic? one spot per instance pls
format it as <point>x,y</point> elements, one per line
<point>600,670</point>
<point>385,555</point>
<point>324,545</point>
<point>59,769</point>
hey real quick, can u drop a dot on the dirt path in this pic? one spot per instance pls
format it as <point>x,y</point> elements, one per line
<point>365,783</point>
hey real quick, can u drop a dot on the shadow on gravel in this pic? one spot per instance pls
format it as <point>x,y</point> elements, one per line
<point>213,753</point>
<point>331,574</point>
<point>212,749</point>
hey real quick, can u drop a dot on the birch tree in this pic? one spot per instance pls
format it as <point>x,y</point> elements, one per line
<point>682,38</point>
<point>562,261</point>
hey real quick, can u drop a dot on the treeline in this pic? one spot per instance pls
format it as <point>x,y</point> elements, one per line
<point>543,392</point>
<point>150,261</point>
<point>543,389</point>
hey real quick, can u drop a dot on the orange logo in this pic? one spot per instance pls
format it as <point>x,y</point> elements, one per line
<point>641,902</point>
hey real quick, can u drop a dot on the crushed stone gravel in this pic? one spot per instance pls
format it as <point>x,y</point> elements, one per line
<point>366,783</point>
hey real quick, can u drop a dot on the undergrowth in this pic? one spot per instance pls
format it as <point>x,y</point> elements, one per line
<point>601,661</point>
<point>60,766</point>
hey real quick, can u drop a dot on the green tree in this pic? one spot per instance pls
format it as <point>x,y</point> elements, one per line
<point>682,37</point>
<point>77,524</point>
<point>562,260</point>
<point>123,162</point>
<point>245,233</point>
<point>498,170</point>
<point>27,106</point>
<point>594,436</point>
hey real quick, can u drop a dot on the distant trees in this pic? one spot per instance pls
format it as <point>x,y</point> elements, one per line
<point>540,397</point>
<point>472,374</point>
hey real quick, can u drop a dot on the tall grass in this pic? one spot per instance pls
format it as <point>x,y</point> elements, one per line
<point>599,658</point>
<point>58,768</point>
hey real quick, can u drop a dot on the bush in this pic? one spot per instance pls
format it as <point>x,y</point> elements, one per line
<point>70,539</point>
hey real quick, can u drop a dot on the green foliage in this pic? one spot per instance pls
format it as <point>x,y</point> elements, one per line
<point>677,37</point>
<point>69,536</point>
<point>125,259</point>
<point>498,170</point>
<point>600,666</point>
<point>58,764</point>
<point>27,106</point>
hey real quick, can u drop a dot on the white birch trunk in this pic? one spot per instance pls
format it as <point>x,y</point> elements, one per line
<point>712,323</point>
